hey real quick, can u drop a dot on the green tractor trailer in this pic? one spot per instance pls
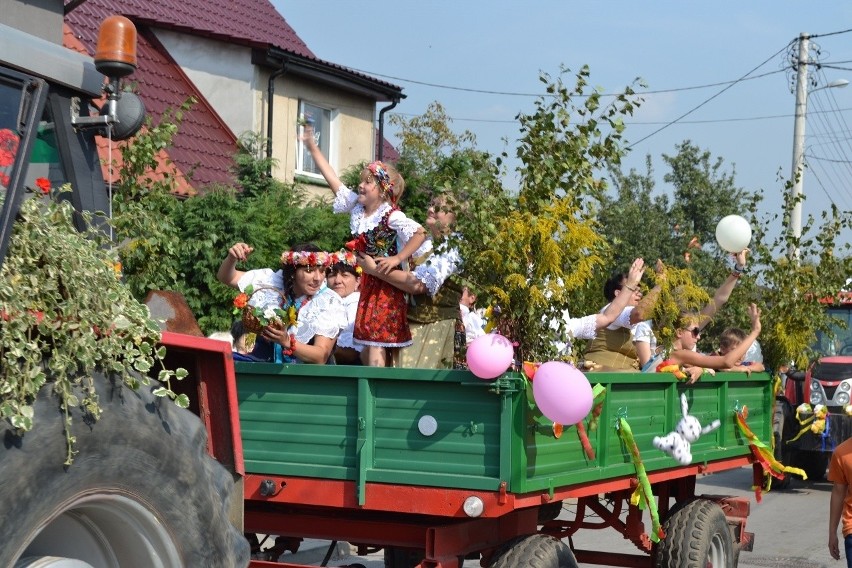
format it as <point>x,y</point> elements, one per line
<point>433,467</point>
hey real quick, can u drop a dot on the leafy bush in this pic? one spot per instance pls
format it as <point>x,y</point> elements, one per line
<point>66,313</point>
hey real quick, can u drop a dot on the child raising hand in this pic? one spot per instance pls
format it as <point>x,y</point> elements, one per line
<point>380,230</point>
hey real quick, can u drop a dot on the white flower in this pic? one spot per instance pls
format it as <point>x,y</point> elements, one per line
<point>269,313</point>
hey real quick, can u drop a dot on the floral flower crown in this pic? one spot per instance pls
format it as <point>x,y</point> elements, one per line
<point>345,257</point>
<point>380,172</point>
<point>306,258</point>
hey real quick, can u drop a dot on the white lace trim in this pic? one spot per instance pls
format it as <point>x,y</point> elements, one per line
<point>360,222</point>
<point>380,344</point>
<point>324,315</point>
<point>440,266</point>
<point>344,200</point>
<point>263,278</point>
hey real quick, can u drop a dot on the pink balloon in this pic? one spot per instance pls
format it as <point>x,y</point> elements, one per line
<point>489,355</point>
<point>562,392</point>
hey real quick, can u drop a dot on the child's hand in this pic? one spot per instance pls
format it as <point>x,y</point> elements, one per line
<point>385,264</point>
<point>367,263</point>
<point>307,134</point>
<point>240,251</point>
<point>754,314</point>
<point>276,334</point>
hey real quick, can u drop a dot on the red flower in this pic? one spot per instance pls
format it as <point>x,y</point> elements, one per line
<point>358,244</point>
<point>241,300</point>
<point>8,147</point>
<point>43,184</point>
<point>312,259</point>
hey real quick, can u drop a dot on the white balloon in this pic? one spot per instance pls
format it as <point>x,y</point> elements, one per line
<point>733,233</point>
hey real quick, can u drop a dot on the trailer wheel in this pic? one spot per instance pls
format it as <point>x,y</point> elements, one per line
<point>697,536</point>
<point>142,490</point>
<point>534,551</point>
<point>781,432</point>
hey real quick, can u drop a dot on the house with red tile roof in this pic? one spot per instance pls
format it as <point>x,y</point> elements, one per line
<point>249,72</point>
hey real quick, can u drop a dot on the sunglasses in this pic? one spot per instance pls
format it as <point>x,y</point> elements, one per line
<point>695,331</point>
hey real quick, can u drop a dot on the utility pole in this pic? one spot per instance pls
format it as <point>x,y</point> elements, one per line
<point>798,173</point>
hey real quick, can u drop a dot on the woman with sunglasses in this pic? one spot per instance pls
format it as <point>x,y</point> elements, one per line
<point>644,341</point>
<point>693,363</point>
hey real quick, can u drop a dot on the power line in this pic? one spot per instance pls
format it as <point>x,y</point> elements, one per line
<point>687,113</point>
<point>537,95</point>
<point>636,122</point>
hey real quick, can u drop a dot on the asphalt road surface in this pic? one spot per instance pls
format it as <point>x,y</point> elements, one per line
<point>790,527</point>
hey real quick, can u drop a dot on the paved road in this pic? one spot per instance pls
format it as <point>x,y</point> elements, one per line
<point>790,526</point>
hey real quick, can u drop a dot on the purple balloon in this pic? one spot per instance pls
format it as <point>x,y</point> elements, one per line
<point>562,392</point>
<point>488,356</point>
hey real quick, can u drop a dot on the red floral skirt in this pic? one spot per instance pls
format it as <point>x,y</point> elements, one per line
<point>382,318</point>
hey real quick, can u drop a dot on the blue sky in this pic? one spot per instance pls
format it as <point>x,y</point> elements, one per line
<point>502,45</point>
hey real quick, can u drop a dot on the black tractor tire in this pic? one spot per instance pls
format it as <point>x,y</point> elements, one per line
<point>396,557</point>
<point>534,551</point>
<point>142,490</point>
<point>815,464</point>
<point>697,536</point>
<point>781,428</point>
<point>406,557</point>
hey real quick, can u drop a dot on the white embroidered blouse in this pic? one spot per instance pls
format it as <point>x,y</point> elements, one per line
<point>323,315</point>
<point>346,200</point>
<point>443,263</point>
<point>350,305</point>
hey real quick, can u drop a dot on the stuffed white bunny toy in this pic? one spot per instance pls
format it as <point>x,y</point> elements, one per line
<point>678,444</point>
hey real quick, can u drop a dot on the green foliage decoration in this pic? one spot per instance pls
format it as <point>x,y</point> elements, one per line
<point>144,207</point>
<point>679,298</point>
<point>531,250</point>
<point>66,313</point>
<point>792,285</point>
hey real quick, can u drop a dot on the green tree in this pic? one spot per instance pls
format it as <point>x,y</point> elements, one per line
<point>531,251</point>
<point>434,158</point>
<point>679,230</point>
<point>790,289</point>
<point>144,207</point>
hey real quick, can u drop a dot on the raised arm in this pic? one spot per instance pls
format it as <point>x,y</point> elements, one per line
<point>729,359</point>
<point>228,273</point>
<point>724,291</point>
<point>643,309</point>
<point>307,138</point>
<point>614,309</point>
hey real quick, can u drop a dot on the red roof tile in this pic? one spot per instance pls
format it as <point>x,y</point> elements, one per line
<point>247,22</point>
<point>254,23</point>
<point>204,145</point>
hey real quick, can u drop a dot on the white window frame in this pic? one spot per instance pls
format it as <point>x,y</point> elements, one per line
<point>329,152</point>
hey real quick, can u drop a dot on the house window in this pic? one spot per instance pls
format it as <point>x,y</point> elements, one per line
<point>322,135</point>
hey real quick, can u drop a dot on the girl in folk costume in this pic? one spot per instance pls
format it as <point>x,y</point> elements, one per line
<point>383,232</point>
<point>313,314</point>
<point>435,313</point>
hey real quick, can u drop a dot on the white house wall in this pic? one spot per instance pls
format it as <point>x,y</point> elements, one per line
<point>222,72</point>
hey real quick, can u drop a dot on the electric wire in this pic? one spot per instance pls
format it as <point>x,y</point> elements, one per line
<point>687,113</point>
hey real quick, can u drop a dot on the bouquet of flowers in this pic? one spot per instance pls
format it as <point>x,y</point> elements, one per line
<point>256,318</point>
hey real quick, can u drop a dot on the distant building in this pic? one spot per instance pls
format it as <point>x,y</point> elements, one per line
<point>249,71</point>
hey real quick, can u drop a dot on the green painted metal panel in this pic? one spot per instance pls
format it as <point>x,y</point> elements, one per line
<point>651,405</point>
<point>361,424</point>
